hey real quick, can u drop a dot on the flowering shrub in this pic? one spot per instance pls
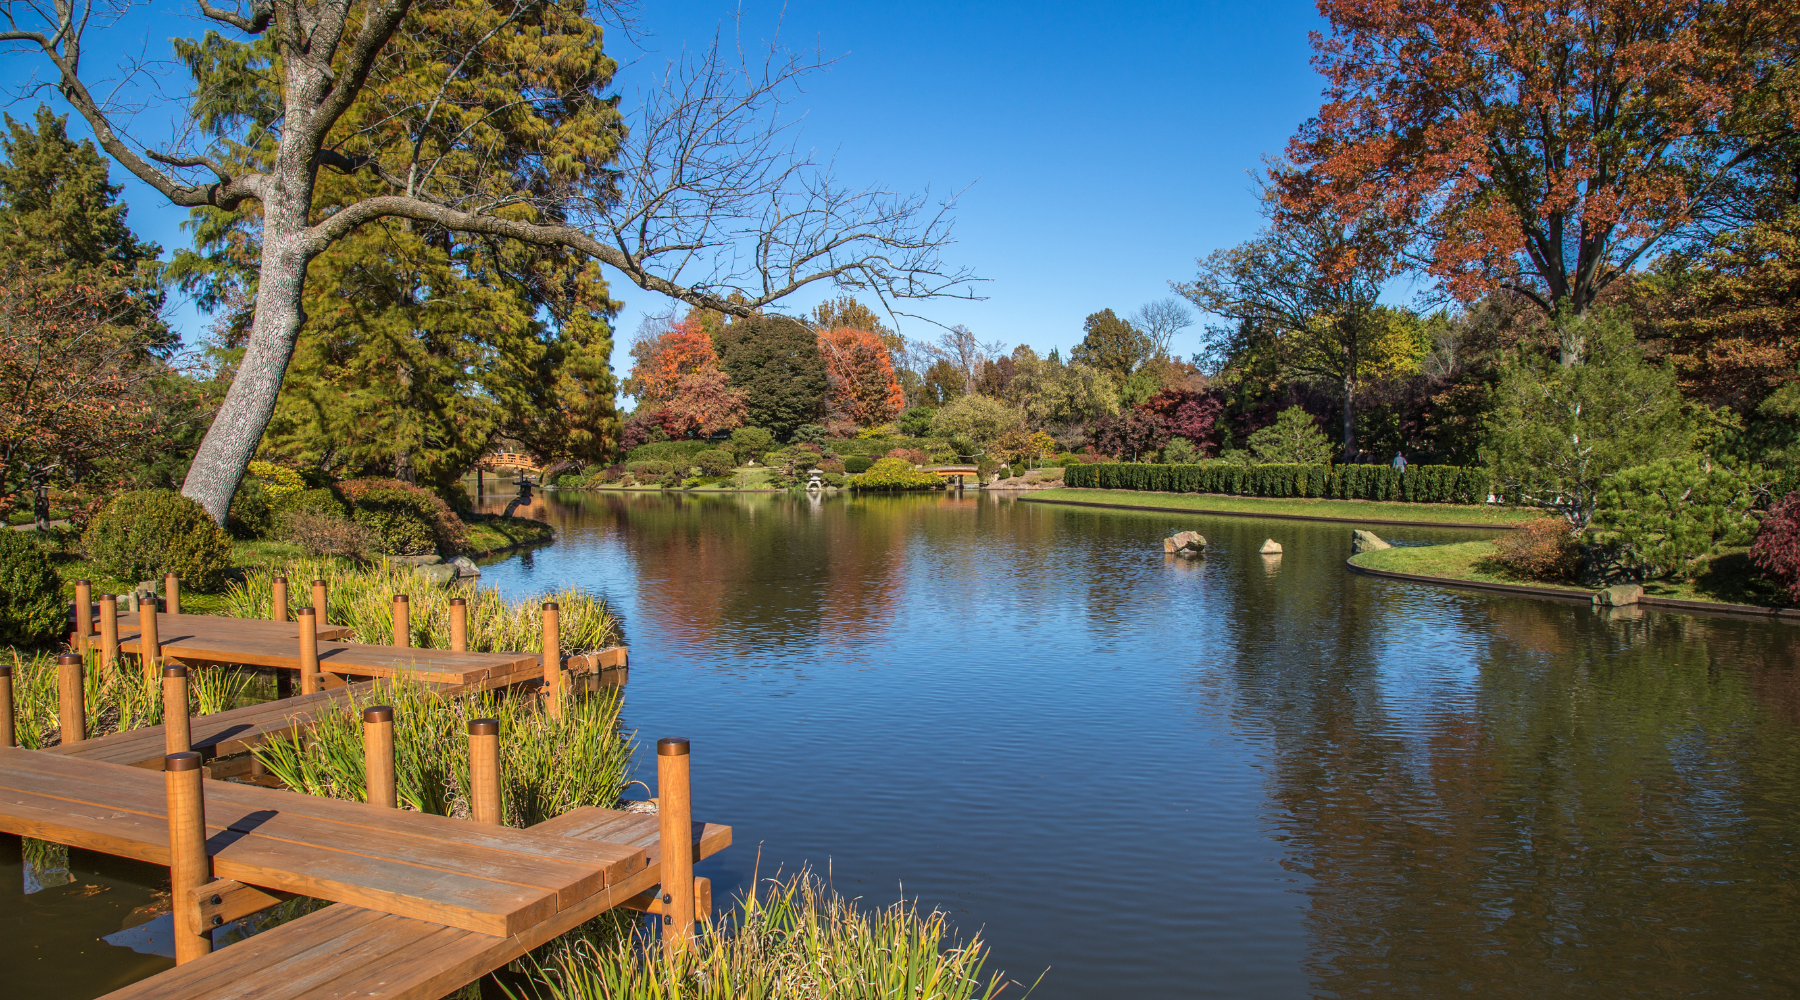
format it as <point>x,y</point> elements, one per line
<point>1776,550</point>
<point>894,474</point>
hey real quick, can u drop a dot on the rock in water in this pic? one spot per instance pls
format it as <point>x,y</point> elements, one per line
<point>1271,547</point>
<point>1185,543</point>
<point>465,567</point>
<point>1619,596</point>
<point>1366,541</point>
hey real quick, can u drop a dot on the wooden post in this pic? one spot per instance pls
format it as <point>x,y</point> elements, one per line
<point>459,625</point>
<point>278,605</point>
<point>378,755</point>
<point>109,634</point>
<point>7,736</point>
<point>309,652</point>
<point>84,614</point>
<point>189,866</point>
<point>552,652</point>
<point>675,820</point>
<point>484,771</point>
<point>71,709</point>
<point>149,646</point>
<point>321,610</point>
<point>172,593</point>
<point>177,734</point>
<point>402,627</point>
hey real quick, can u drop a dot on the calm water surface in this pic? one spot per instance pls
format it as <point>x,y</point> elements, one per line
<point>1246,777</point>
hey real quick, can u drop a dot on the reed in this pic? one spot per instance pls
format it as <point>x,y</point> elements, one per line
<point>121,700</point>
<point>362,598</point>
<point>797,939</point>
<point>548,765</point>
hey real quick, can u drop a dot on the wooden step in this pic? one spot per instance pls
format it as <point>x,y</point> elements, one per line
<point>343,951</point>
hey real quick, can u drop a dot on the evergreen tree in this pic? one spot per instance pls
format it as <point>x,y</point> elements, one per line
<point>1112,345</point>
<point>775,359</point>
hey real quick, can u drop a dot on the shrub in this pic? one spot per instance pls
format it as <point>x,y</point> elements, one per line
<point>277,481</point>
<point>404,519</point>
<point>834,479</point>
<point>250,515</point>
<point>911,456</point>
<point>916,422</point>
<point>716,462</point>
<point>832,465</point>
<point>1418,484</point>
<point>325,534</point>
<point>1542,549</point>
<point>322,502</point>
<point>145,533</point>
<point>31,605</point>
<point>752,440</point>
<point>649,469</point>
<point>854,464</point>
<point>1776,550</point>
<point>672,452</point>
<point>894,474</point>
<point>1181,451</point>
<point>570,480</point>
<point>1668,516</point>
<point>808,434</point>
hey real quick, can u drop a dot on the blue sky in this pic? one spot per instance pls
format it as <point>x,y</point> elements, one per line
<point>1103,148</point>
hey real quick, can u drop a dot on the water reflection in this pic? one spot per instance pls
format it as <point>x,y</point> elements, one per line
<point>1238,776</point>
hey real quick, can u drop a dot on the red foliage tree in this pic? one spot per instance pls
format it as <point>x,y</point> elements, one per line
<point>1776,550</point>
<point>1191,415</point>
<point>662,361</point>
<point>1540,146</point>
<point>861,375</point>
<point>704,404</point>
<point>1131,434</point>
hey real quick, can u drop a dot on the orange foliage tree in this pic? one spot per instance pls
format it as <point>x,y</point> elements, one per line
<point>860,373</point>
<point>1542,147</point>
<point>662,361</point>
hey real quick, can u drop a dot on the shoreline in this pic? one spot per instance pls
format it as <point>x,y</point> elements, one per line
<point>1583,596</point>
<point>1273,515</point>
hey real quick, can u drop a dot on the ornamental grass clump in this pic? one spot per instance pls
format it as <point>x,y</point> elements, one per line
<point>121,699</point>
<point>797,939</point>
<point>548,765</point>
<point>363,599</point>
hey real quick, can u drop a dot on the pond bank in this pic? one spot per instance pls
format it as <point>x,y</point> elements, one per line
<point>1461,565</point>
<point>1292,509</point>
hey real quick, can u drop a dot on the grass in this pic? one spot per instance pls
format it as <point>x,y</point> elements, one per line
<point>363,598</point>
<point>1729,578</point>
<point>796,937</point>
<point>491,533</point>
<point>548,765</point>
<point>1344,510</point>
<point>121,699</point>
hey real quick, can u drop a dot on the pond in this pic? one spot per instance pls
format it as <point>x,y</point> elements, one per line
<point>1245,777</point>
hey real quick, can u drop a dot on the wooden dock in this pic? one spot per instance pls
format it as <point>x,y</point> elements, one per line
<point>420,905</point>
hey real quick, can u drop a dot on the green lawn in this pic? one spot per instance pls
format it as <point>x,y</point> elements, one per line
<point>490,533</point>
<point>1729,577</point>
<point>1347,510</point>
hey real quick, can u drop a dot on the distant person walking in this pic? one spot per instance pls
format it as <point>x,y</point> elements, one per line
<point>1400,461</point>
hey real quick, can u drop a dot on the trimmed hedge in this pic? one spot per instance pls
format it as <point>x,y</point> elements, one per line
<point>31,604</point>
<point>1418,484</point>
<point>857,463</point>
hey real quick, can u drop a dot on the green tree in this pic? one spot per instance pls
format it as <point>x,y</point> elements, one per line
<point>980,419</point>
<point>1112,345</point>
<point>1293,439</point>
<point>1666,517</point>
<point>1054,395</point>
<point>1557,433</point>
<point>775,359</point>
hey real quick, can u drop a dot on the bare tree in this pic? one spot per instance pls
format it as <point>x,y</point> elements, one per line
<point>965,352</point>
<point>712,201</point>
<point>1161,321</point>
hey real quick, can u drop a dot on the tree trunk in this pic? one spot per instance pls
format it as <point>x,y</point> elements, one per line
<point>1349,418</point>
<point>231,441</point>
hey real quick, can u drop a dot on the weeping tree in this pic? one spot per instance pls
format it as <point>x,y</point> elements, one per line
<point>497,119</point>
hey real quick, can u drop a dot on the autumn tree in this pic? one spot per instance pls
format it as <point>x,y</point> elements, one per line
<point>1544,148</point>
<point>860,373</point>
<point>664,357</point>
<point>1112,345</point>
<point>1304,293</point>
<point>494,119</point>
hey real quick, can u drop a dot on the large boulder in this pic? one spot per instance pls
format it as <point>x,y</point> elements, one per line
<point>1271,547</point>
<point>465,567</point>
<point>436,573</point>
<point>1620,596</point>
<point>1185,543</point>
<point>1366,541</point>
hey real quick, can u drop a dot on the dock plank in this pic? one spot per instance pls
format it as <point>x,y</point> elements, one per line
<point>472,671</point>
<point>215,735</point>
<point>489,880</point>
<point>341,952</point>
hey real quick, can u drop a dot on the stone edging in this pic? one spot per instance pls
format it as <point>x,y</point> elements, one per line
<point>1585,596</point>
<point>1278,517</point>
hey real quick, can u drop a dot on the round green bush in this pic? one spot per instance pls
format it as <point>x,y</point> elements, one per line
<point>31,605</point>
<point>315,501</point>
<point>143,534</point>
<point>857,463</point>
<point>716,462</point>
<point>399,519</point>
<point>808,434</point>
<point>251,514</point>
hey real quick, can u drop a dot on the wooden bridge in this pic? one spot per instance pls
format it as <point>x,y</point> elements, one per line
<point>420,904</point>
<point>494,461</point>
<point>954,472</point>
